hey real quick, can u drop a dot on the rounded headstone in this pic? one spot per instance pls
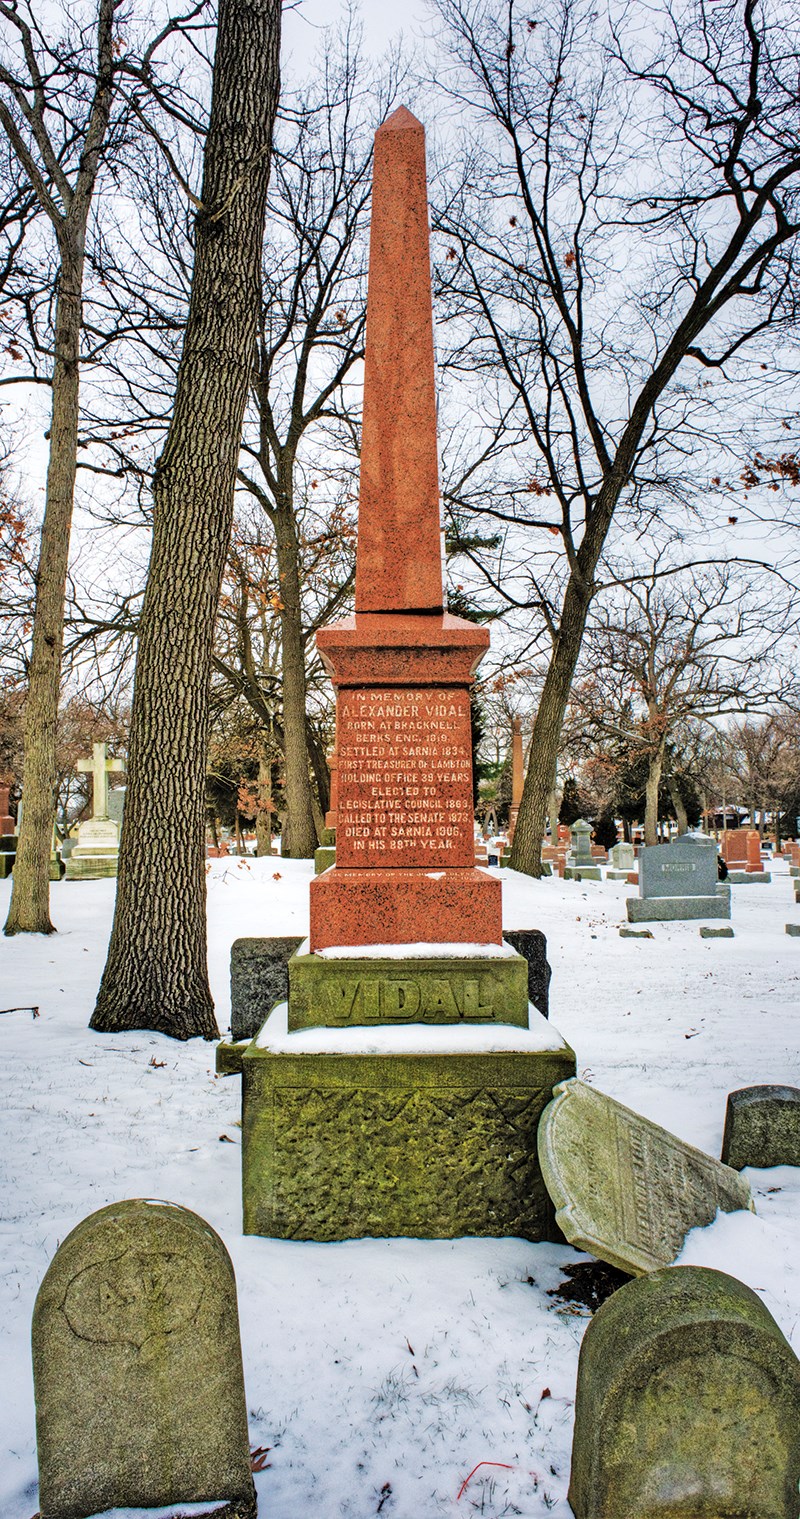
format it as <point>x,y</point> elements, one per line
<point>687,1406</point>
<point>138,1367</point>
<point>762,1127</point>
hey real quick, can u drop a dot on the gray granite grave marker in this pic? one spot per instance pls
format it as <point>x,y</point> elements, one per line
<point>687,1406</point>
<point>625,1189</point>
<point>138,1367</point>
<point>259,980</point>
<point>679,880</point>
<point>762,1127</point>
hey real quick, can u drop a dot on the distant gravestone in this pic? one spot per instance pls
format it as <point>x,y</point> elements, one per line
<point>625,1189</point>
<point>259,979</point>
<point>138,1368</point>
<point>687,1406</point>
<point>762,1127</point>
<point>622,857</point>
<point>679,880</point>
<point>580,860</point>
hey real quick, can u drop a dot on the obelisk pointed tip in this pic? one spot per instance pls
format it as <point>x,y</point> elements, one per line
<point>401,120</point>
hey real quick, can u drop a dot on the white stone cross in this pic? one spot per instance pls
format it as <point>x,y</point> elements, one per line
<point>99,768</point>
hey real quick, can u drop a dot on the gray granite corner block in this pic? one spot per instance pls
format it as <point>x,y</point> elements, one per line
<point>532,945</point>
<point>749,877</point>
<point>716,933</point>
<point>793,930</point>
<point>259,979</point>
<point>762,1127</point>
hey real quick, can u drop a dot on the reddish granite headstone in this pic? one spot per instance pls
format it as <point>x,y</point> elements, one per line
<point>734,846</point>
<point>402,666</point>
<point>754,864</point>
<point>333,766</point>
<point>7,824</point>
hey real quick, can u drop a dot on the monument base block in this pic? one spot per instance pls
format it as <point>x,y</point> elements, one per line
<point>354,990</point>
<point>324,857</point>
<point>89,865</point>
<point>342,1142</point>
<point>582,873</point>
<point>671,909</point>
<point>748,877</point>
<point>452,906</point>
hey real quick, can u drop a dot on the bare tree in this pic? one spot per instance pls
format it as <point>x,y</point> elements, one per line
<point>617,263</point>
<point>671,648</point>
<point>64,112</point>
<point>156,974</point>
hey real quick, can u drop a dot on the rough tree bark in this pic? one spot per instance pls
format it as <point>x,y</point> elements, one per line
<point>300,834</point>
<point>67,205</point>
<point>156,975</point>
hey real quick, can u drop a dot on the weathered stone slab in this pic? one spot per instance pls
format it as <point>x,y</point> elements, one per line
<point>259,979</point>
<point>685,868</point>
<point>362,990</point>
<point>676,909</point>
<point>749,877</point>
<point>625,1189</point>
<point>342,1146</point>
<point>716,933</point>
<point>793,930</point>
<point>687,1406</point>
<point>622,857</point>
<point>324,857</point>
<point>762,1127</point>
<point>532,945</point>
<point>228,1060</point>
<point>138,1367</point>
<point>635,933</point>
<point>583,873</point>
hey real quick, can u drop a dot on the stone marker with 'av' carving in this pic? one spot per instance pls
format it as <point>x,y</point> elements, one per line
<point>687,1406</point>
<point>625,1189</point>
<point>138,1368</point>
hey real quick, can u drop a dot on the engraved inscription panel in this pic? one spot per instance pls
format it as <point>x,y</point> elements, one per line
<point>405,778</point>
<point>627,1190</point>
<point>133,1298</point>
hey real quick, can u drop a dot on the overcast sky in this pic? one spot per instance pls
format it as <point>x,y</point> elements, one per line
<point>383,20</point>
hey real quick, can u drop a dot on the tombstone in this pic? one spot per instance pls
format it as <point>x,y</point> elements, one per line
<point>762,1127</point>
<point>116,803</point>
<point>734,847</point>
<point>687,1405</point>
<point>625,1189</point>
<point>581,864</point>
<point>96,853</point>
<point>679,880</point>
<point>517,775</point>
<point>353,1132</point>
<point>621,859</point>
<point>8,835</point>
<point>7,825</point>
<point>259,979</point>
<point>138,1368</point>
<point>751,869</point>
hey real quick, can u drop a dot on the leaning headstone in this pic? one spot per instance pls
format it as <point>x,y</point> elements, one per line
<point>137,1367</point>
<point>581,864</point>
<point>687,1406</point>
<point>625,1189</point>
<point>762,1127</point>
<point>259,980</point>
<point>679,880</point>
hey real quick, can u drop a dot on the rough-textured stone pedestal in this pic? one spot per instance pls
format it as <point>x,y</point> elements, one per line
<point>426,1142</point>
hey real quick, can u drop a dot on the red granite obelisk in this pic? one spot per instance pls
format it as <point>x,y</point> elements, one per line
<point>402,666</point>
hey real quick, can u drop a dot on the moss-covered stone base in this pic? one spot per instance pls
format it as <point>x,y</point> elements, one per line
<point>324,857</point>
<point>91,867</point>
<point>431,1146</point>
<point>341,993</point>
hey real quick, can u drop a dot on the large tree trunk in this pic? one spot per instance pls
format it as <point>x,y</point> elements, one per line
<point>652,785</point>
<point>540,779</point>
<point>677,802</point>
<point>299,833</point>
<point>156,975</point>
<point>29,911</point>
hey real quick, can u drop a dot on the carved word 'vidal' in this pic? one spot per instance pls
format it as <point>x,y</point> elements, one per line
<point>400,999</point>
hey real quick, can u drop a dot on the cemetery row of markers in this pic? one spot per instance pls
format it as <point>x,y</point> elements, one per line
<point>688,1398</point>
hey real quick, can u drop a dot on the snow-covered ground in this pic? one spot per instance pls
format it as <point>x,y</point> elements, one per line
<point>382,1372</point>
